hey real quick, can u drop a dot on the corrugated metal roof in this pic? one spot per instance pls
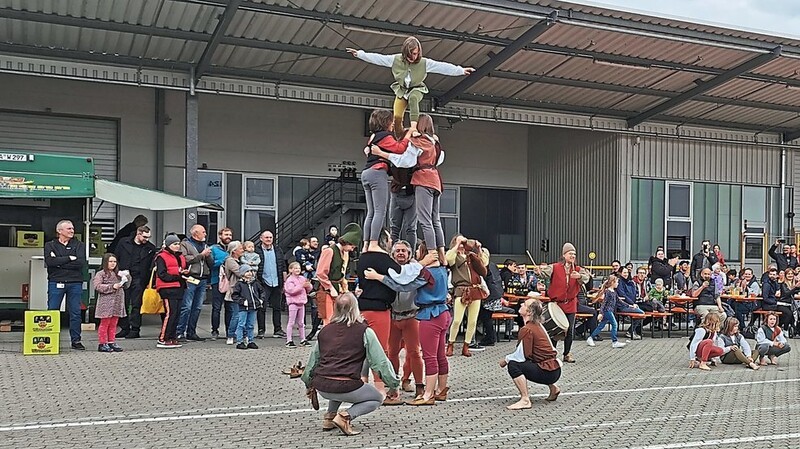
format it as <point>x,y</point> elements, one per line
<point>573,55</point>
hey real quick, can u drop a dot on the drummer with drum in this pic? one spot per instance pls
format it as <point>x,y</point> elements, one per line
<point>566,279</point>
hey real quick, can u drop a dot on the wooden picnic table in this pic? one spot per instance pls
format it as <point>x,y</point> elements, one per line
<point>516,299</point>
<point>740,298</point>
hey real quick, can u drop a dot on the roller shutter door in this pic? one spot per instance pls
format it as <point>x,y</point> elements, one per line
<point>96,138</point>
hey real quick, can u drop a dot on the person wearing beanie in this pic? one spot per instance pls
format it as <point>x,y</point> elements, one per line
<point>250,297</point>
<point>333,261</point>
<point>565,283</point>
<point>171,272</point>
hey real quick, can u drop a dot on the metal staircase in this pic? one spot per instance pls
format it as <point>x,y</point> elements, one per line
<point>334,196</point>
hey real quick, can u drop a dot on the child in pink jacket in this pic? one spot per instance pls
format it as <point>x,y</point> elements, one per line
<point>296,288</point>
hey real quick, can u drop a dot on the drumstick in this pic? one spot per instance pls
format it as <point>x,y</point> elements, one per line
<point>530,257</point>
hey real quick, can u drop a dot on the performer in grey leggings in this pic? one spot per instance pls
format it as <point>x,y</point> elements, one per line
<point>334,367</point>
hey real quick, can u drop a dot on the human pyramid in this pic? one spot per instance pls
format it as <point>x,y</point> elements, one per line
<point>401,301</point>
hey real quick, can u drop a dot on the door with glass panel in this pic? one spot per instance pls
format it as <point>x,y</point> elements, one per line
<point>679,220</point>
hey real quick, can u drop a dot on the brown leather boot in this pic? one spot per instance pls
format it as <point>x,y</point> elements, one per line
<point>465,350</point>
<point>342,421</point>
<point>449,352</point>
<point>420,390</point>
<point>327,421</point>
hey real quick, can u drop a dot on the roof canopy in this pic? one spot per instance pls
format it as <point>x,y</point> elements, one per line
<point>539,55</point>
<point>141,198</point>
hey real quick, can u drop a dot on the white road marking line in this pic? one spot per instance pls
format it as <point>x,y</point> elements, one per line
<point>133,420</point>
<point>514,435</point>
<point>755,439</point>
<point>632,390</point>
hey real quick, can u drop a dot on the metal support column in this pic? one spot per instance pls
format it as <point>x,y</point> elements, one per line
<point>191,153</point>
<point>160,123</point>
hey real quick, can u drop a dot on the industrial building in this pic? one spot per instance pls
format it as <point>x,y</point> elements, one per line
<point>616,131</point>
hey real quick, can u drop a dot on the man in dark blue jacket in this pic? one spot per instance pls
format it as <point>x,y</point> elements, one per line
<point>65,258</point>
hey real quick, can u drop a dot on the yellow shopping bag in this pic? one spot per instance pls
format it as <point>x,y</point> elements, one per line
<point>151,300</point>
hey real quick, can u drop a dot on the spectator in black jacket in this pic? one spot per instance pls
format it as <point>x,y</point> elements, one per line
<point>271,273</point>
<point>127,231</point>
<point>782,259</point>
<point>493,303</point>
<point>136,255</point>
<point>508,272</point>
<point>65,258</point>
<point>705,258</point>
<point>662,268</point>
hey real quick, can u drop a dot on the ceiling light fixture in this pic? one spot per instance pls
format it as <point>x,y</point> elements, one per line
<point>372,30</point>
<point>621,65</point>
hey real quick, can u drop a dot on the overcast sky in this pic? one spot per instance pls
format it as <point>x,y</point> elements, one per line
<point>774,17</point>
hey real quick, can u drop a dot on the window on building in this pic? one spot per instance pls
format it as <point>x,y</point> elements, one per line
<point>647,217</point>
<point>496,217</point>
<point>678,236</point>
<point>209,189</point>
<point>260,204</point>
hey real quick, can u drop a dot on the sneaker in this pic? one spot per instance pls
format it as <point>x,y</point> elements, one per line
<point>476,347</point>
<point>252,345</point>
<point>122,334</point>
<point>131,335</point>
<point>195,337</point>
<point>182,338</point>
<point>115,347</point>
<point>163,344</point>
<point>241,346</point>
<point>279,334</point>
<point>636,337</point>
<point>617,345</point>
<point>260,335</point>
<point>104,348</point>
<point>590,341</point>
<point>290,344</point>
<point>214,335</point>
<point>78,346</point>
<point>229,341</point>
<point>305,343</point>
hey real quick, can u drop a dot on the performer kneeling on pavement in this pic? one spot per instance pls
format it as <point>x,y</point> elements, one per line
<point>565,283</point>
<point>334,367</point>
<point>535,359</point>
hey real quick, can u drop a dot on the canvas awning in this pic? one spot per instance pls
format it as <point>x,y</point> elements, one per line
<point>141,198</point>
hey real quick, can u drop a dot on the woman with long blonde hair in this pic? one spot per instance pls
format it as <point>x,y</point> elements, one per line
<point>704,344</point>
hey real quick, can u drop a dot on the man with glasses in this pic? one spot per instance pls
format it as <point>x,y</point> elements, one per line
<point>136,255</point>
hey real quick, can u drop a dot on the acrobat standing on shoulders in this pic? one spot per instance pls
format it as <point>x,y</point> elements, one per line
<point>409,69</point>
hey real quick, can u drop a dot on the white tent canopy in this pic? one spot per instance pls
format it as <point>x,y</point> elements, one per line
<point>141,198</point>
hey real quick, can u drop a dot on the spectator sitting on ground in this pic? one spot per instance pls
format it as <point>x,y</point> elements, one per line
<point>771,341</point>
<point>704,345</point>
<point>735,348</point>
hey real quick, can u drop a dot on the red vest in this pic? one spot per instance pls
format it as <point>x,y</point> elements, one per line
<point>174,266</point>
<point>563,292</point>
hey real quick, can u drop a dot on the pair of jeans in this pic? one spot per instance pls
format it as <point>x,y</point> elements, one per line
<point>217,301</point>
<point>403,218</point>
<point>272,298</point>
<point>133,303</point>
<point>246,323</point>
<point>608,318</point>
<point>193,299</point>
<point>231,318</point>
<point>74,292</point>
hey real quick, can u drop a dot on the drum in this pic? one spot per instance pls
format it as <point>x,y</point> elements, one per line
<point>555,321</point>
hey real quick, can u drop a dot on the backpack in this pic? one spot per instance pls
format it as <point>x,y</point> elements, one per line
<point>224,282</point>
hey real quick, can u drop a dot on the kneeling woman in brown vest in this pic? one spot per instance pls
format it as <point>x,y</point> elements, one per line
<point>334,367</point>
<point>535,359</point>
